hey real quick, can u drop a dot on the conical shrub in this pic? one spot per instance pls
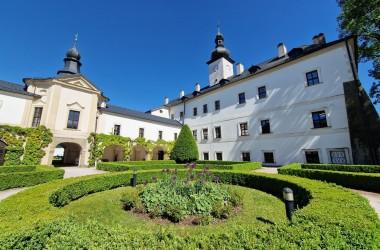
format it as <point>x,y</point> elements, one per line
<point>185,148</point>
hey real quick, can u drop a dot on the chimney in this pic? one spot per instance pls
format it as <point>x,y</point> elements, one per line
<point>181,94</point>
<point>319,39</point>
<point>239,68</point>
<point>197,87</point>
<point>166,101</point>
<point>281,50</point>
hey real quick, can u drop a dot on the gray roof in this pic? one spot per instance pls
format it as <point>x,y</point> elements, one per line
<point>140,115</point>
<point>293,54</point>
<point>15,88</point>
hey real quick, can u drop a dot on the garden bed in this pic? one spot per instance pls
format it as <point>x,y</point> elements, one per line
<point>328,217</point>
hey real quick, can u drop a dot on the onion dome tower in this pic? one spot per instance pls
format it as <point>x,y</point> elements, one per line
<point>72,63</point>
<point>221,65</point>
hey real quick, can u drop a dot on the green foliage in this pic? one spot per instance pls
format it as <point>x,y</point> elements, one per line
<point>331,218</point>
<point>221,210</point>
<point>185,148</point>
<point>344,167</point>
<point>362,19</point>
<point>25,143</point>
<point>364,181</point>
<point>16,168</point>
<point>203,220</point>
<point>176,198</point>
<point>41,174</point>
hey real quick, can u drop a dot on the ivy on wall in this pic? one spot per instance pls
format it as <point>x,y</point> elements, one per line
<point>24,145</point>
<point>98,142</point>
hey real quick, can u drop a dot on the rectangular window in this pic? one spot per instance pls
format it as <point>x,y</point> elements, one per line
<point>205,110</point>
<point>319,119</point>
<point>338,157</point>
<point>181,115</point>
<point>195,135</point>
<point>160,135</point>
<point>37,117</point>
<point>246,156</point>
<point>312,78</point>
<point>262,92</point>
<point>141,132</point>
<point>73,120</point>
<point>268,157</point>
<point>265,127</point>
<point>205,156</point>
<point>242,98</point>
<point>219,156</point>
<point>217,105</point>
<point>205,133</point>
<point>195,111</point>
<point>312,157</point>
<point>175,136</point>
<point>244,129</point>
<point>116,129</point>
<point>172,116</point>
<point>218,132</point>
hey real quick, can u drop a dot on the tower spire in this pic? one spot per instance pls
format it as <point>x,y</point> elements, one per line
<point>75,41</point>
<point>219,28</point>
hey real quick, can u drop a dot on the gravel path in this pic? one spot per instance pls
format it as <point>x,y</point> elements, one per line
<point>70,172</point>
<point>373,198</point>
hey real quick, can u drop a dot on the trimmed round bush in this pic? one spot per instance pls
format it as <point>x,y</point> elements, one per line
<point>185,148</point>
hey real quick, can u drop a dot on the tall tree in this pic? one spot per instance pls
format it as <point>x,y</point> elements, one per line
<point>185,148</point>
<point>362,18</point>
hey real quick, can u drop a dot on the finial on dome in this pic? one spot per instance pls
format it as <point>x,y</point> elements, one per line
<point>219,28</point>
<point>75,41</point>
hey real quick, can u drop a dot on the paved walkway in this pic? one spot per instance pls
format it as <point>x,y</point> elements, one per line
<point>373,198</point>
<point>69,173</point>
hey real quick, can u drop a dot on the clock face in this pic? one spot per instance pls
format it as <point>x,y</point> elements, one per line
<point>216,68</point>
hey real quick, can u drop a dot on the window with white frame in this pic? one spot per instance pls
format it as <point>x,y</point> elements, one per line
<point>195,111</point>
<point>217,105</point>
<point>37,116</point>
<point>319,119</point>
<point>312,78</point>
<point>116,129</point>
<point>195,135</point>
<point>205,134</point>
<point>219,156</point>
<point>265,126</point>
<point>160,135</point>
<point>175,136</point>
<point>205,109</point>
<point>241,97</point>
<point>262,92</point>
<point>141,132</point>
<point>206,156</point>
<point>312,156</point>
<point>243,127</point>
<point>181,115</point>
<point>246,156</point>
<point>73,120</point>
<point>218,132</point>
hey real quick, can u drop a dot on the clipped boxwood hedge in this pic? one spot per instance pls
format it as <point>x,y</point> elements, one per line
<point>344,167</point>
<point>41,174</point>
<point>362,181</point>
<point>120,166</point>
<point>331,218</point>
<point>16,168</point>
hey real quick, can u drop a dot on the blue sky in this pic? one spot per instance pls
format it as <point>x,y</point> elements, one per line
<point>139,52</point>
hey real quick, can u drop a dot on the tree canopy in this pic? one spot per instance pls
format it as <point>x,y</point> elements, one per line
<point>362,18</point>
<point>185,148</point>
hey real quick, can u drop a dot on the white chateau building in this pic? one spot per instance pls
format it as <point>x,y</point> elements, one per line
<point>305,105</point>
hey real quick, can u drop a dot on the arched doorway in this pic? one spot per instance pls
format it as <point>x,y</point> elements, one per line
<point>68,153</point>
<point>159,153</point>
<point>2,152</point>
<point>139,153</point>
<point>113,153</point>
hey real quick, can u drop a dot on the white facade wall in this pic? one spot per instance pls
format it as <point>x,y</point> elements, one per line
<point>129,127</point>
<point>12,108</point>
<point>288,107</point>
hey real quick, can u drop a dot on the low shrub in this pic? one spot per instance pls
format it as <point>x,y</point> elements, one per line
<point>344,167</point>
<point>16,168</point>
<point>362,181</point>
<point>41,174</point>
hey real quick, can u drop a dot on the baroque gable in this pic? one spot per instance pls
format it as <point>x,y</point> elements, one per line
<point>77,82</point>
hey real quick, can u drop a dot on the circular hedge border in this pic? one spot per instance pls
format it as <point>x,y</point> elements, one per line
<point>327,216</point>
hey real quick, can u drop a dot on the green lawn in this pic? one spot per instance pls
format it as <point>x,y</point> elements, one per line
<point>260,210</point>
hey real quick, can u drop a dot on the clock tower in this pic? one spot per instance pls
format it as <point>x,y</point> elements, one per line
<point>221,65</point>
